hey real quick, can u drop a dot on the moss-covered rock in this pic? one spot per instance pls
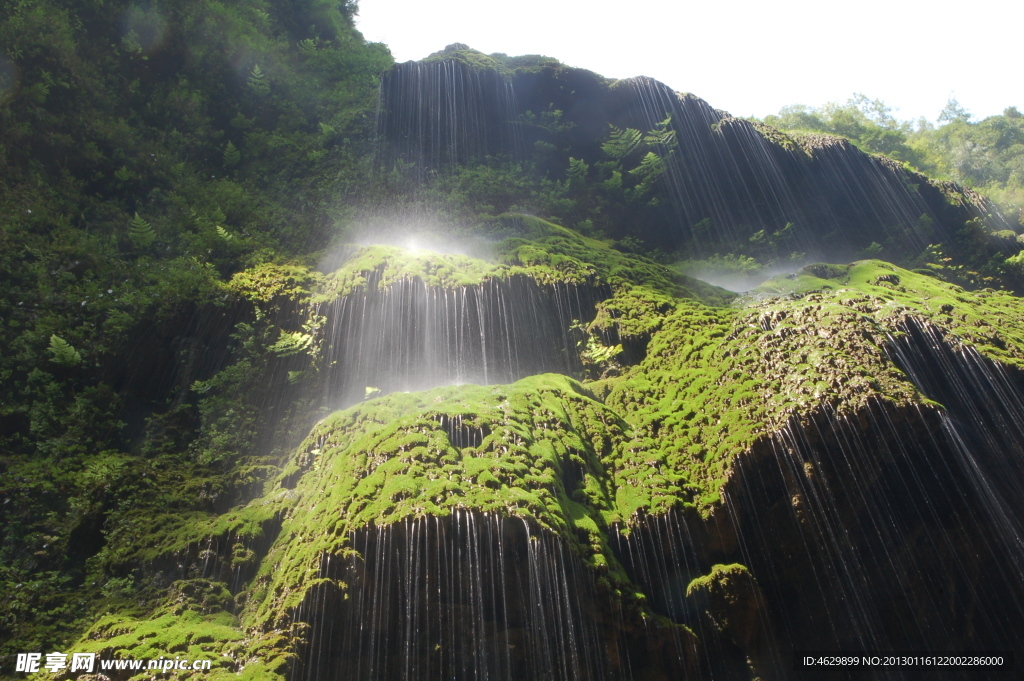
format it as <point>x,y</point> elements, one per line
<point>582,464</point>
<point>465,55</point>
<point>543,251</point>
<point>534,450</point>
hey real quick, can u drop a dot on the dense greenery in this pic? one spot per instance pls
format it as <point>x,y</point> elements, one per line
<point>148,152</point>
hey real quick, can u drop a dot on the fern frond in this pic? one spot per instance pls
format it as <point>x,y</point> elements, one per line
<point>291,343</point>
<point>63,352</point>
<point>140,231</point>
<point>231,155</point>
<point>621,142</point>
<point>578,170</point>
<point>37,93</point>
<point>662,135</point>
<point>665,138</point>
<point>651,166</point>
<point>257,81</point>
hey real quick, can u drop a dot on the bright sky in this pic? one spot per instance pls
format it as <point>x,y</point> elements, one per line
<point>749,58</point>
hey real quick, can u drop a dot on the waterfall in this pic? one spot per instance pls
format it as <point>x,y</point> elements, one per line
<point>473,596</point>
<point>726,179</point>
<point>411,336</point>
<point>443,113</point>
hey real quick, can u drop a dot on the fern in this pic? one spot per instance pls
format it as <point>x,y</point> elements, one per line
<point>291,343</point>
<point>103,470</point>
<point>307,47</point>
<point>621,142</point>
<point>37,93</point>
<point>651,167</point>
<point>63,352</point>
<point>241,122</point>
<point>123,174</point>
<point>577,172</point>
<point>662,135</point>
<point>224,234</point>
<point>257,81</point>
<point>119,588</point>
<point>130,43</point>
<point>597,352</point>
<point>614,183</point>
<point>231,155</point>
<point>140,231</point>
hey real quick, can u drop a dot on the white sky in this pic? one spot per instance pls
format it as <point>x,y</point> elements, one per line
<point>749,58</point>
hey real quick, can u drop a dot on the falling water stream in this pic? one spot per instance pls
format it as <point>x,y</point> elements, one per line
<point>470,596</point>
<point>410,336</point>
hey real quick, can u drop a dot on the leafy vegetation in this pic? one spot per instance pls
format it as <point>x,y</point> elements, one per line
<point>183,143</point>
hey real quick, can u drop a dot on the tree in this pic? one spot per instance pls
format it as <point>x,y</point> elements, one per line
<point>953,112</point>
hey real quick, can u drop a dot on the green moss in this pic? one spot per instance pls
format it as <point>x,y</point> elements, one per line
<point>719,575</point>
<point>776,137</point>
<point>635,312</point>
<point>642,291</point>
<point>539,455</point>
<point>716,382</point>
<point>392,264</point>
<point>600,389</point>
<point>729,597</point>
<point>546,244</point>
<point>474,59</point>
<point>176,532</point>
<point>987,320</point>
<point>263,283</point>
<point>194,622</point>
